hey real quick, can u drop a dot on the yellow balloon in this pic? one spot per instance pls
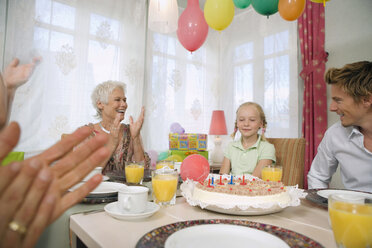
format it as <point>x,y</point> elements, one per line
<point>219,13</point>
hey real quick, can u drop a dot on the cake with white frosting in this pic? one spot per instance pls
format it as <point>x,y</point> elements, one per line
<point>250,192</point>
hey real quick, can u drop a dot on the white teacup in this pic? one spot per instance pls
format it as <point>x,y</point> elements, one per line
<point>133,199</point>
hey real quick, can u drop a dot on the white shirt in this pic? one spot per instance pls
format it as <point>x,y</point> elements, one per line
<point>344,147</point>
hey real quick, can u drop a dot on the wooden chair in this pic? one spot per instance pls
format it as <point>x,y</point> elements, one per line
<point>290,153</point>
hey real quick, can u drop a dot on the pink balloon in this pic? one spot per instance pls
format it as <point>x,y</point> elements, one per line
<point>153,156</point>
<point>192,27</point>
<point>195,167</point>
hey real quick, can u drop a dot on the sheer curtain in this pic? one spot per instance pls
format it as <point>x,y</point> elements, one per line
<point>82,43</point>
<point>85,42</point>
<point>180,87</point>
<point>258,62</point>
<point>254,59</point>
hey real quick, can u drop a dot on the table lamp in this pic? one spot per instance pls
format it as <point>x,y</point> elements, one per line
<point>217,127</point>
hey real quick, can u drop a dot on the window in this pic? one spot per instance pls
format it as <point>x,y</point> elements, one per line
<point>82,43</point>
<point>265,72</point>
<point>177,91</point>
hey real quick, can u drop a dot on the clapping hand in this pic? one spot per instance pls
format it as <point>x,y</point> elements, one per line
<point>15,74</point>
<point>135,127</point>
<point>115,130</point>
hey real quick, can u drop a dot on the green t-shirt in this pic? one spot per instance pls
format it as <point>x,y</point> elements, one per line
<point>243,161</point>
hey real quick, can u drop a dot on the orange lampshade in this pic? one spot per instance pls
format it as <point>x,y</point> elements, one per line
<point>218,123</point>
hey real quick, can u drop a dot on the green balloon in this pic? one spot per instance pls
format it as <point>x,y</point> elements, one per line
<point>163,155</point>
<point>265,7</point>
<point>242,4</point>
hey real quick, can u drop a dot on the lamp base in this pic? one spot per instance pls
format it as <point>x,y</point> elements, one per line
<point>217,153</point>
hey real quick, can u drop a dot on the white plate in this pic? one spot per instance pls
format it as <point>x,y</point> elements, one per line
<point>327,192</point>
<point>95,171</point>
<point>222,235</point>
<point>104,178</point>
<point>249,211</point>
<point>113,210</point>
<point>103,188</point>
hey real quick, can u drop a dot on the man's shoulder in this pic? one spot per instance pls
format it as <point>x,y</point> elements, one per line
<point>338,129</point>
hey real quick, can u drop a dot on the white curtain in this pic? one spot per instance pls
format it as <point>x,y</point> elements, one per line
<point>86,42</point>
<point>180,87</point>
<point>254,59</point>
<point>258,62</point>
<point>82,43</point>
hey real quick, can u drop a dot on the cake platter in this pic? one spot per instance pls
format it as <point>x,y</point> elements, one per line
<point>248,208</point>
<point>249,211</point>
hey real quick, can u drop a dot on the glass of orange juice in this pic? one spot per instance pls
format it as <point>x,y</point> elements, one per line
<point>134,172</point>
<point>164,186</point>
<point>164,163</point>
<point>351,220</point>
<point>272,173</point>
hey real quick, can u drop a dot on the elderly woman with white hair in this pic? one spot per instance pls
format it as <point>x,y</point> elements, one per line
<point>125,141</point>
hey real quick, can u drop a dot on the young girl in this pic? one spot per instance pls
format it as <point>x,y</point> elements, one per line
<point>252,152</point>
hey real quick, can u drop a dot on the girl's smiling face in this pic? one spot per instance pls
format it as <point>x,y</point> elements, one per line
<point>248,121</point>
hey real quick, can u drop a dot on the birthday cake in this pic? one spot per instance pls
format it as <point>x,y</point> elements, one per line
<point>240,191</point>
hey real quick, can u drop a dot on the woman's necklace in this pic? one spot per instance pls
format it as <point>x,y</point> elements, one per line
<point>103,129</point>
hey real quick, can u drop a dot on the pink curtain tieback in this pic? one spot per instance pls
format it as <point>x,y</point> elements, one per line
<point>317,61</point>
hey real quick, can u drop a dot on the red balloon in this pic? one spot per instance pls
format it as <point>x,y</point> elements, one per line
<point>195,167</point>
<point>192,27</point>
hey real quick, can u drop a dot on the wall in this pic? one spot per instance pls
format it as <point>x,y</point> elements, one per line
<point>348,28</point>
<point>348,35</point>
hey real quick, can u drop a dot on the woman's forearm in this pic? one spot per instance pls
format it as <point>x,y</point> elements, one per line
<point>3,104</point>
<point>6,99</point>
<point>138,152</point>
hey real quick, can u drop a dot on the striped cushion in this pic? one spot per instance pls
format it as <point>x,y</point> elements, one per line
<point>290,153</point>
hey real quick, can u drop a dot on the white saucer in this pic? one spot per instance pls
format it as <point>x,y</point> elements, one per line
<point>327,192</point>
<point>113,210</point>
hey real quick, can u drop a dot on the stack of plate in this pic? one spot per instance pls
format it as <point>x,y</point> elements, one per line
<point>104,193</point>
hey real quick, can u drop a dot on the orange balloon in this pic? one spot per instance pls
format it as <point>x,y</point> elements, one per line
<point>290,10</point>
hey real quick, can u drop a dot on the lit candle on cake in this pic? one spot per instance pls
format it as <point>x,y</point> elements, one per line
<point>209,183</point>
<point>243,183</point>
<point>231,180</point>
<point>220,183</point>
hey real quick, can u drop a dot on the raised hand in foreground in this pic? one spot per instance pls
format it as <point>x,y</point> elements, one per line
<point>33,195</point>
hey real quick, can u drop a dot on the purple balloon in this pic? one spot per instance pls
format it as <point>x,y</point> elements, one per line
<point>176,128</point>
<point>153,156</point>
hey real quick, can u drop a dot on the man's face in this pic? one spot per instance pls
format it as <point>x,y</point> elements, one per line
<point>350,112</point>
